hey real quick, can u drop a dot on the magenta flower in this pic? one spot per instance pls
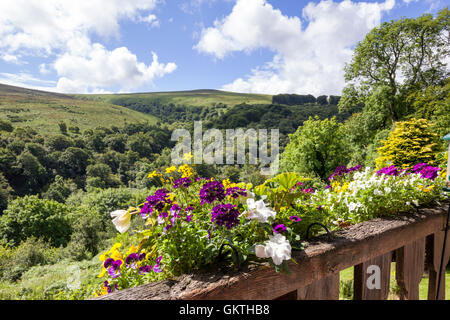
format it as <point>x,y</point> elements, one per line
<point>114,269</point>
<point>225,215</point>
<point>182,183</point>
<point>295,218</point>
<point>212,191</point>
<point>279,228</point>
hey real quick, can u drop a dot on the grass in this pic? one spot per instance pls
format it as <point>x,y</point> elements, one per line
<point>187,98</point>
<point>346,288</point>
<point>43,111</point>
<point>44,282</point>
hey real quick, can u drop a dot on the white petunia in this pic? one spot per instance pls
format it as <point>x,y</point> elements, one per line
<point>277,248</point>
<point>257,210</point>
<point>122,220</point>
<point>377,192</point>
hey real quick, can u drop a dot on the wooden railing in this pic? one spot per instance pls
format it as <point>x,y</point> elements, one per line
<point>414,241</point>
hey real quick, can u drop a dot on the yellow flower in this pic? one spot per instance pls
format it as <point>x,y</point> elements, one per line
<point>186,171</point>
<point>116,246</point>
<point>171,196</point>
<point>103,257</point>
<point>188,156</point>
<point>171,169</point>
<point>153,174</point>
<point>102,274</point>
<point>132,249</point>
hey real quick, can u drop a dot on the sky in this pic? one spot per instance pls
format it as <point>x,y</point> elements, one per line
<point>251,46</point>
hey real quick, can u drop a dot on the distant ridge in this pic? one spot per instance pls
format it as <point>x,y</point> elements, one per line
<point>6,88</point>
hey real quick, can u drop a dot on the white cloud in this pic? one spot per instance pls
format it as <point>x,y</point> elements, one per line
<point>61,30</point>
<point>101,68</point>
<point>307,59</point>
<point>9,58</point>
<point>152,20</point>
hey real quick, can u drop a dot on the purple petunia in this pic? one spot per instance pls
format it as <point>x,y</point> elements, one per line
<point>144,269</point>
<point>343,170</point>
<point>108,262</point>
<point>114,269</point>
<point>131,260</point>
<point>156,267</point>
<point>212,191</point>
<point>182,183</point>
<point>295,218</point>
<point>279,228</point>
<point>225,215</point>
<point>157,201</point>
<point>236,192</point>
<point>108,287</point>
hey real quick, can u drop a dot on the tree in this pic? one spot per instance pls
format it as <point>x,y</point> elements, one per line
<point>31,216</point>
<point>397,57</point>
<point>410,143</point>
<point>317,147</point>
<point>62,127</point>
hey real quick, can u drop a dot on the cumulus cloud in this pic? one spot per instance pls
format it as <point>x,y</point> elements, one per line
<point>307,59</point>
<point>102,68</point>
<point>61,30</point>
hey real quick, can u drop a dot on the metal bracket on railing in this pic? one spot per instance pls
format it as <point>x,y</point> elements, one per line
<point>318,224</point>
<point>235,252</point>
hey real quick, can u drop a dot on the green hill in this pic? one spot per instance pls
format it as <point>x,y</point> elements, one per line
<point>187,98</point>
<point>44,110</point>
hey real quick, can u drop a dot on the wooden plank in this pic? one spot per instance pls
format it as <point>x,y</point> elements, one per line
<point>410,265</point>
<point>434,246</point>
<point>289,296</point>
<point>372,278</point>
<point>323,289</point>
<point>348,247</point>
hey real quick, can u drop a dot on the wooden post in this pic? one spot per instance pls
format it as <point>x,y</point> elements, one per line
<point>434,250</point>
<point>410,265</point>
<point>323,289</point>
<point>362,272</point>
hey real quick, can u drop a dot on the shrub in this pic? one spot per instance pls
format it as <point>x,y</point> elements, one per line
<point>317,147</point>
<point>30,216</point>
<point>31,252</point>
<point>411,142</point>
<point>85,241</point>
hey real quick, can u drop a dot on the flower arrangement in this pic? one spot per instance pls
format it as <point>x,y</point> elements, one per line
<point>189,219</point>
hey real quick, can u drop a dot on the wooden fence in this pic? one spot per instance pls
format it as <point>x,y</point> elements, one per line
<point>414,241</point>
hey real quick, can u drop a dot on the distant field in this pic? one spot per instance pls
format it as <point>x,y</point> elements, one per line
<point>43,111</point>
<point>187,98</point>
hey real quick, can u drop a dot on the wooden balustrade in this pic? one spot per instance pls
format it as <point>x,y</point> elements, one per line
<point>414,241</point>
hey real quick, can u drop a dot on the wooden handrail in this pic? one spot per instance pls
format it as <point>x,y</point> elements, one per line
<point>316,274</point>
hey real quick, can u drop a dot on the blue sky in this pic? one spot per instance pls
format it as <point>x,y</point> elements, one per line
<point>259,46</point>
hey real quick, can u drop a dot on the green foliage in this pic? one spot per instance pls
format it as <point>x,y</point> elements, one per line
<point>5,191</point>
<point>30,216</point>
<point>317,148</point>
<point>87,236</point>
<point>31,252</point>
<point>60,189</point>
<point>6,126</point>
<point>411,142</point>
<point>414,48</point>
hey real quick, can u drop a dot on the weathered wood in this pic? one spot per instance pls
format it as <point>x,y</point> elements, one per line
<point>348,247</point>
<point>323,289</point>
<point>433,261</point>
<point>410,265</point>
<point>364,277</point>
<point>289,296</point>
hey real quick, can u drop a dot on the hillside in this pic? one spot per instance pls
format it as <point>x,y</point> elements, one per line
<point>44,110</point>
<point>198,98</point>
